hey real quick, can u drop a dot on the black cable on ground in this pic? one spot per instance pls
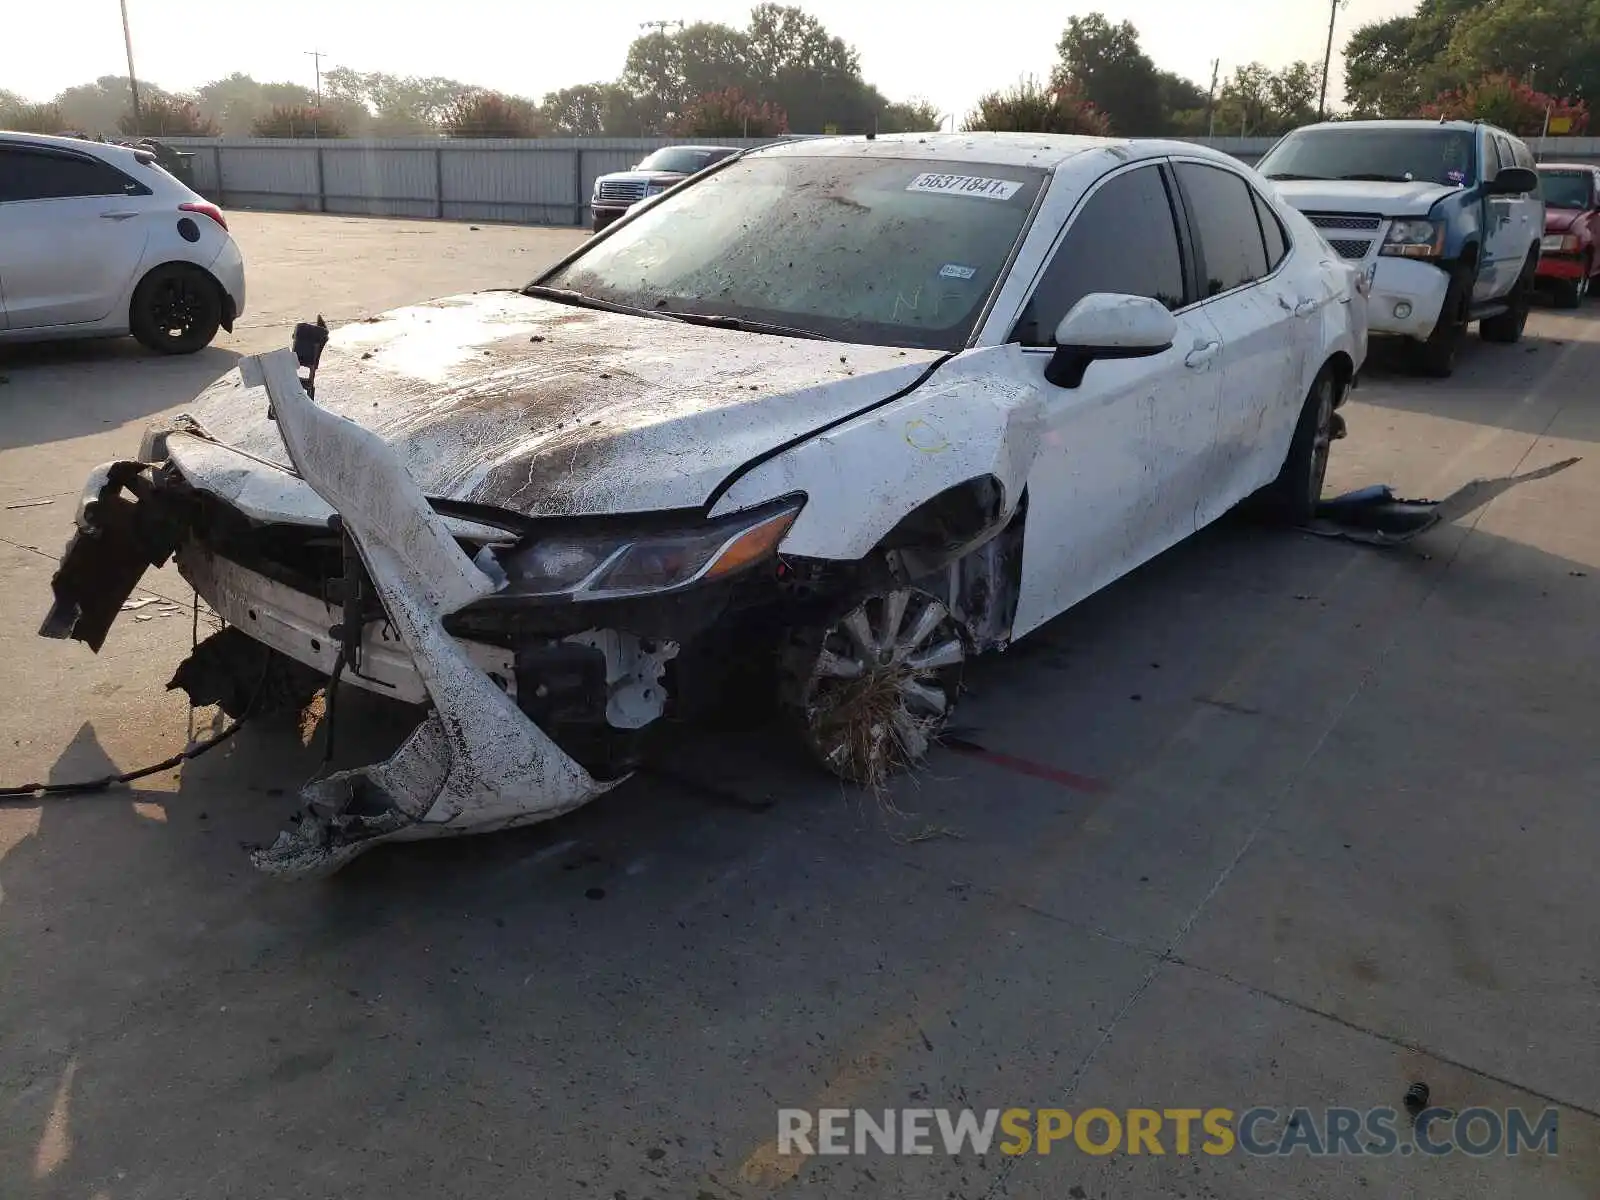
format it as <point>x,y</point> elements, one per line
<point>88,786</point>
<point>30,790</point>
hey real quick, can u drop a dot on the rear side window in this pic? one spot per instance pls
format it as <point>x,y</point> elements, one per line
<point>27,174</point>
<point>1124,240</point>
<point>1223,213</point>
<point>1272,230</point>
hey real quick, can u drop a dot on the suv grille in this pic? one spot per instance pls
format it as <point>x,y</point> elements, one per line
<point>1348,247</point>
<point>623,191</point>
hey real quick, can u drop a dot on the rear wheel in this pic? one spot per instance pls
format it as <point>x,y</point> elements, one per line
<point>176,309</point>
<point>1507,326</point>
<point>1292,497</point>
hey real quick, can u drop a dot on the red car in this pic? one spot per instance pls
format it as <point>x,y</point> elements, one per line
<point>1568,256</point>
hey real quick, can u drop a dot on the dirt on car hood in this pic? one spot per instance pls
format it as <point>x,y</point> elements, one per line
<point>550,410</point>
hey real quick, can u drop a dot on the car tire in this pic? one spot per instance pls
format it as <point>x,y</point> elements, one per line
<point>1292,498</point>
<point>176,309</point>
<point>1507,327</point>
<point>1571,293</point>
<point>869,690</point>
<point>1436,357</point>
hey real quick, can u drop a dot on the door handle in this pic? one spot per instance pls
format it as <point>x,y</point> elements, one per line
<point>117,216</point>
<point>1201,355</point>
<point>1306,307</point>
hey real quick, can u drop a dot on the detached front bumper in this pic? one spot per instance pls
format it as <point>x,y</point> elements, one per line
<point>1406,298</point>
<point>479,761</point>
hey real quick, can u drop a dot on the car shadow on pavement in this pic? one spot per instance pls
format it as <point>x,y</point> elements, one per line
<point>1503,386</point>
<point>55,391</point>
<point>617,1001</point>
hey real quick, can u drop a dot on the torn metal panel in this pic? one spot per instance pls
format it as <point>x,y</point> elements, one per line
<point>477,763</point>
<point>508,400</point>
<point>1375,516</point>
<point>116,540</point>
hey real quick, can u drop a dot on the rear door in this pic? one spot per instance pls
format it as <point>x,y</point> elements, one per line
<point>1264,320</point>
<point>1124,456</point>
<point>70,236</point>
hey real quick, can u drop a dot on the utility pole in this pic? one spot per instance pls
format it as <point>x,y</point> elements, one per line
<point>133,82</point>
<point>660,26</point>
<point>1211,100</point>
<point>316,58</point>
<point>1327,60</point>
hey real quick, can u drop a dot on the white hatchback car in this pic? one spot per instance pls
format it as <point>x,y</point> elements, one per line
<point>820,422</point>
<point>97,240</point>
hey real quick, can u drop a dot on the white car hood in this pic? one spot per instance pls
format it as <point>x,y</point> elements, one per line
<point>550,410</point>
<point>1361,196</point>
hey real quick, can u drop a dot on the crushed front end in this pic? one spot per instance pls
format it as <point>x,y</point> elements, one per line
<point>537,648</point>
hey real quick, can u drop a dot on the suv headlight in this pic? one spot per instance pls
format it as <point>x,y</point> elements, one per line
<point>609,565</point>
<point>1414,238</point>
<point>1559,243</point>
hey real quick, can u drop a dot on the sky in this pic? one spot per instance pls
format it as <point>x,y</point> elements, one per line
<point>947,53</point>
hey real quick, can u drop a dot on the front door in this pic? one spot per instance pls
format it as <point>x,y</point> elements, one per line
<point>71,236</point>
<point>1505,238</point>
<point>1123,457</point>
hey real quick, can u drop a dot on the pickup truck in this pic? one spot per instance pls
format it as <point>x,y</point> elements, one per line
<point>1568,258</point>
<point>1445,216</point>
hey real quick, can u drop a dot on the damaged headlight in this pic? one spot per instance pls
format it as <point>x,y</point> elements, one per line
<point>608,565</point>
<point>1414,238</point>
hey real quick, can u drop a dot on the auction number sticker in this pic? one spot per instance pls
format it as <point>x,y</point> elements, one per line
<point>966,185</point>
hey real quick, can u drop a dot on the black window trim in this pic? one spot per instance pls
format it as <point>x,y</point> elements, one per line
<point>44,151</point>
<point>1180,228</point>
<point>1198,252</point>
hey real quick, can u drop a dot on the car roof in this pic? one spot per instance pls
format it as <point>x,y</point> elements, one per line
<point>1045,150</point>
<point>1412,123</point>
<point>109,151</point>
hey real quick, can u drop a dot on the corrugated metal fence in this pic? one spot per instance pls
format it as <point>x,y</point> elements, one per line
<point>543,181</point>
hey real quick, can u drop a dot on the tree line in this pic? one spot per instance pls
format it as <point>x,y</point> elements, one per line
<point>1513,62</point>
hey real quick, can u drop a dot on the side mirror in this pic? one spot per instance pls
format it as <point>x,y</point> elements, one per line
<point>1107,325</point>
<point>1513,181</point>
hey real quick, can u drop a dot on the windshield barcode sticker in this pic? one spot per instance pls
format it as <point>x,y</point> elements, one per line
<point>966,185</point>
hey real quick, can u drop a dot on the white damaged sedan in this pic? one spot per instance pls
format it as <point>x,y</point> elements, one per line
<point>818,425</point>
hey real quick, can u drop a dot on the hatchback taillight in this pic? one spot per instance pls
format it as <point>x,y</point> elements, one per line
<point>207,208</point>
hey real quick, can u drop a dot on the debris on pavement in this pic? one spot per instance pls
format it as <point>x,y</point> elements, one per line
<point>1375,516</point>
<point>30,503</point>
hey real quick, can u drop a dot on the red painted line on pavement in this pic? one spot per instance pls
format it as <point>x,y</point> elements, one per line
<point>1025,766</point>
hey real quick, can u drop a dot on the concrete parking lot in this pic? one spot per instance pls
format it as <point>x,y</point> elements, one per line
<point>1277,821</point>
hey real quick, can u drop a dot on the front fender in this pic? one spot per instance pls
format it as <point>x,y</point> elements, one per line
<point>977,415</point>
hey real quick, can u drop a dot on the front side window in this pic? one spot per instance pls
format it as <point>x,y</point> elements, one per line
<point>1224,219</point>
<point>879,250</point>
<point>28,174</point>
<point>1124,240</point>
<point>1508,156</point>
<point>1443,156</point>
<point>1567,189</point>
